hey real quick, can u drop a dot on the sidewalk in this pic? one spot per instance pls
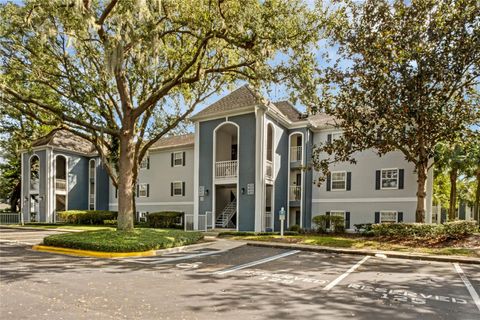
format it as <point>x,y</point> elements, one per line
<point>388,254</point>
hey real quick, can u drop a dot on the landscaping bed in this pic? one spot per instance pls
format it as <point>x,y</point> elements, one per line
<point>110,240</point>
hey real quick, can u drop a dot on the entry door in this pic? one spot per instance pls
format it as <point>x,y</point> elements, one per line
<point>299,179</point>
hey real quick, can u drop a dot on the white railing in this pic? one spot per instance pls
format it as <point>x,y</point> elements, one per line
<point>60,184</point>
<point>268,220</point>
<point>269,169</point>
<point>188,222</point>
<point>209,219</point>
<point>295,193</point>
<point>34,186</point>
<point>295,154</point>
<point>9,218</point>
<point>226,169</point>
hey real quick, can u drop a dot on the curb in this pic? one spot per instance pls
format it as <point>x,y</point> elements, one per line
<point>96,254</point>
<point>184,248</point>
<point>388,254</point>
<point>40,229</point>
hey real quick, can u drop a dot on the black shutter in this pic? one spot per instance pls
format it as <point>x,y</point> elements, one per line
<point>138,190</point>
<point>377,217</point>
<point>329,181</point>
<point>148,190</point>
<point>329,138</point>
<point>347,220</point>
<point>183,188</point>
<point>349,181</point>
<point>116,192</point>
<point>377,180</point>
<point>183,159</point>
<point>401,174</point>
<point>399,216</point>
<point>171,189</point>
<point>327,223</point>
<point>148,162</point>
<point>171,162</point>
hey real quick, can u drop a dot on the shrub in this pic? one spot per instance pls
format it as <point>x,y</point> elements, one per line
<point>460,229</point>
<point>165,219</point>
<point>365,229</point>
<point>121,241</point>
<point>327,222</point>
<point>96,217</point>
<point>406,230</point>
<point>295,228</point>
<point>254,234</point>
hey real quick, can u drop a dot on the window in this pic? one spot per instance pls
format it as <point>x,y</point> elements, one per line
<point>339,180</point>
<point>389,179</point>
<point>177,188</point>
<point>142,190</point>
<point>388,216</point>
<point>177,159</point>
<point>145,164</point>
<point>92,184</point>
<point>336,135</point>
<point>142,216</point>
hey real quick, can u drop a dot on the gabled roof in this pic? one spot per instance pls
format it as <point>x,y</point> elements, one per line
<point>245,96</point>
<point>289,111</point>
<point>63,139</point>
<point>322,120</point>
<point>174,141</point>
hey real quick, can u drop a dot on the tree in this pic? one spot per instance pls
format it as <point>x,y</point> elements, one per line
<point>107,70</point>
<point>404,80</point>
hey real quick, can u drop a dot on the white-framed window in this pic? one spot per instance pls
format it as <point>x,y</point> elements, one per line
<point>388,216</point>
<point>144,163</point>
<point>177,187</point>
<point>336,135</point>
<point>177,159</point>
<point>142,190</point>
<point>338,181</point>
<point>92,181</point>
<point>389,179</point>
<point>142,216</point>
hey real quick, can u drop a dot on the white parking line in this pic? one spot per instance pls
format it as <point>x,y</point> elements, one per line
<point>255,263</point>
<point>161,260</point>
<point>344,275</point>
<point>469,286</point>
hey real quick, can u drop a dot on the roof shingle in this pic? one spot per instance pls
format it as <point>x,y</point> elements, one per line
<point>174,141</point>
<point>65,140</point>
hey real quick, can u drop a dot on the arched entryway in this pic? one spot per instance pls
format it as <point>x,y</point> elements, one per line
<point>34,189</point>
<point>61,189</point>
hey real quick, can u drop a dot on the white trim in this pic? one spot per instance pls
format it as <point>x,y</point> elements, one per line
<point>381,179</point>
<point>196,177</point>
<point>94,184</point>
<point>146,191</point>
<point>344,180</point>
<point>55,182</point>
<point>181,158</point>
<point>146,159</point>
<point>170,203</point>
<point>181,188</point>
<point>214,157</point>
<point>259,168</point>
<point>22,187</point>
<point>412,199</point>
<point>273,177</point>
<point>385,211</point>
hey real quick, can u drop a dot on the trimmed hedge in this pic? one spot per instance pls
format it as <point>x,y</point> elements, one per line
<point>121,241</point>
<point>253,234</point>
<point>164,219</point>
<point>325,222</point>
<point>453,230</point>
<point>96,217</point>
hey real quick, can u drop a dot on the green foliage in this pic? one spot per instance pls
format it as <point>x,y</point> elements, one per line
<point>365,229</point>
<point>94,217</point>
<point>120,241</point>
<point>164,219</point>
<point>449,230</point>
<point>336,223</point>
<point>295,228</point>
<point>253,234</point>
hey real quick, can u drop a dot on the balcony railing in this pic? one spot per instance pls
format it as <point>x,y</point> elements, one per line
<point>60,185</point>
<point>34,186</point>
<point>226,169</point>
<point>295,193</point>
<point>269,170</point>
<point>295,154</point>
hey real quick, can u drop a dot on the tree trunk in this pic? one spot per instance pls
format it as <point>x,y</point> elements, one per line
<point>476,212</point>
<point>421,191</point>
<point>126,181</point>
<point>453,194</point>
<point>15,197</point>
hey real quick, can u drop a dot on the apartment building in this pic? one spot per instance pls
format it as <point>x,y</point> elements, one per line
<point>247,158</point>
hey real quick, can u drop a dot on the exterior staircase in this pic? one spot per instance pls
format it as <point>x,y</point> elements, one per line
<point>224,219</point>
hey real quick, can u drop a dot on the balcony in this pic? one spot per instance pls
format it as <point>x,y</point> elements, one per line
<point>295,193</point>
<point>269,170</point>
<point>296,154</point>
<point>226,169</point>
<point>60,185</point>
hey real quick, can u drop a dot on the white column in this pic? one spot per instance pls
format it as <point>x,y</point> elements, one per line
<point>259,168</point>
<point>196,155</point>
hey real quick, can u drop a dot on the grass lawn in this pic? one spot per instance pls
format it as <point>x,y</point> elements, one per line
<point>110,240</point>
<point>366,243</point>
<point>64,226</point>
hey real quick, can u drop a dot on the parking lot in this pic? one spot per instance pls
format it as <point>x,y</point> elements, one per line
<point>240,282</point>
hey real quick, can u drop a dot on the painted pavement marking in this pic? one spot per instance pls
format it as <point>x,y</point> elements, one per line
<point>470,288</point>
<point>162,259</point>
<point>346,273</point>
<point>256,263</point>
<point>283,278</point>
